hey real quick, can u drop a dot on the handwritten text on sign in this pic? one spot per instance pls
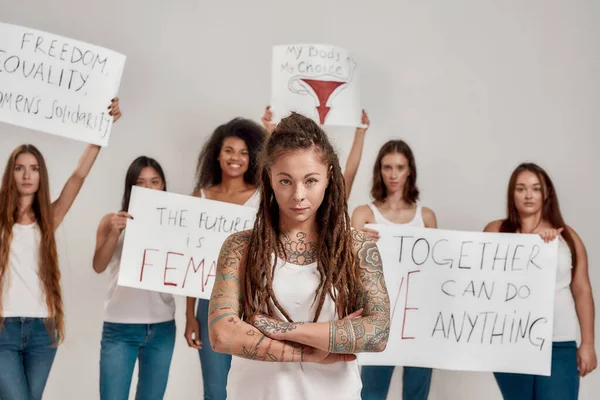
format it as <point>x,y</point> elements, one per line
<point>319,81</point>
<point>468,301</point>
<point>172,245</point>
<point>57,85</point>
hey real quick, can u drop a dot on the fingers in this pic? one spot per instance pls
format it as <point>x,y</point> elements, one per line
<point>355,314</point>
<point>115,111</point>
<point>192,337</point>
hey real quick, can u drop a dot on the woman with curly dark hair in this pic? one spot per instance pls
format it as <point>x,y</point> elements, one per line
<point>226,172</point>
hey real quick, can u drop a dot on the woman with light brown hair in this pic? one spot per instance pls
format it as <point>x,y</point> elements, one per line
<point>532,207</point>
<point>31,306</point>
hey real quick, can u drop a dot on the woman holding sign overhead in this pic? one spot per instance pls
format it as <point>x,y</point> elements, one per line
<point>297,296</point>
<point>355,154</point>
<point>226,172</point>
<point>396,197</point>
<point>31,307</point>
<point>532,204</point>
<point>138,324</point>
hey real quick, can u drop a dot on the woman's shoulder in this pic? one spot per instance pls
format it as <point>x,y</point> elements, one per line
<point>494,226</point>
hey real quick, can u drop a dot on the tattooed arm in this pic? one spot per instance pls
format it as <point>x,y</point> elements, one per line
<point>368,333</point>
<point>229,334</point>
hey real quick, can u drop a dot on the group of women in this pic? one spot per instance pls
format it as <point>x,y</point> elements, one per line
<point>294,299</point>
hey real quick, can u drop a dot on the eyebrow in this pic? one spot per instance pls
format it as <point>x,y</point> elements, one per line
<point>23,165</point>
<point>305,176</point>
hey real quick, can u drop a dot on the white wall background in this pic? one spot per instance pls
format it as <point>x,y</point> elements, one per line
<point>474,86</point>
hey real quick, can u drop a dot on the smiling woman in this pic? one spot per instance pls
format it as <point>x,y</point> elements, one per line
<point>226,172</point>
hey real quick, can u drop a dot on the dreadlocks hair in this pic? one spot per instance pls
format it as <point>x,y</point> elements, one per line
<point>336,261</point>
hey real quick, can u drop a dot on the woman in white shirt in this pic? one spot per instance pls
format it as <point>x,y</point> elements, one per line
<point>138,324</point>
<point>297,296</point>
<point>31,307</point>
<point>532,207</point>
<point>226,172</point>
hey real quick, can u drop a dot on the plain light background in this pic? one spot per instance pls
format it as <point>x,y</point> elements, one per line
<point>475,87</point>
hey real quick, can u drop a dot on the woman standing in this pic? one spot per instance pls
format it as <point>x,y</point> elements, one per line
<point>31,306</point>
<point>532,207</point>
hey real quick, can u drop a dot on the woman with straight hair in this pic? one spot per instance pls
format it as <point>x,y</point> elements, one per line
<point>31,305</point>
<point>532,207</point>
<point>396,202</point>
<point>138,324</point>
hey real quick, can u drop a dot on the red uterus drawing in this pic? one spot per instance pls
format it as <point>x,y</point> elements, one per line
<point>323,91</point>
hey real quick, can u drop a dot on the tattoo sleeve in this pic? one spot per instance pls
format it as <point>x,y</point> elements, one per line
<point>228,333</point>
<point>370,332</point>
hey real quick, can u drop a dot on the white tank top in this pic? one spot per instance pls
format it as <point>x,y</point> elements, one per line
<point>253,201</point>
<point>295,287</point>
<point>125,305</point>
<point>565,315</point>
<point>23,295</point>
<point>416,222</point>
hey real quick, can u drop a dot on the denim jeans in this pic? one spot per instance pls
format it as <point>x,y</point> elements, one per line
<point>26,355</point>
<point>562,384</point>
<point>215,366</point>
<point>122,345</point>
<point>376,382</point>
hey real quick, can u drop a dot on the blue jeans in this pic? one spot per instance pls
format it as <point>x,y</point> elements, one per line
<point>215,366</point>
<point>26,355</point>
<point>376,382</point>
<point>122,345</point>
<point>562,384</point>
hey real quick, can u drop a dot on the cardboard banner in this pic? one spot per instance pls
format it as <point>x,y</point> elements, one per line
<point>468,300</point>
<point>318,81</point>
<point>57,85</point>
<point>172,245</point>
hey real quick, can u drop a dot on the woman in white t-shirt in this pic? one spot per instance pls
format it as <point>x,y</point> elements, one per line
<point>226,172</point>
<point>396,202</point>
<point>138,324</point>
<point>532,207</point>
<point>31,307</point>
<point>297,296</point>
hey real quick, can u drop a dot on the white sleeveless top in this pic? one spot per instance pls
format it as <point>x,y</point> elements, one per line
<point>23,294</point>
<point>253,201</point>
<point>416,222</point>
<point>295,287</point>
<point>565,315</point>
<point>125,305</point>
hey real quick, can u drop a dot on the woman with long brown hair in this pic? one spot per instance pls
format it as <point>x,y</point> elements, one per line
<point>31,307</point>
<point>532,207</point>
<point>297,296</point>
<point>226,172</point>
<point>396,202</point>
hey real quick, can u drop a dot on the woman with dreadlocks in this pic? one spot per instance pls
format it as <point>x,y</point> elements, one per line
<point>297,296</point>
<point>355,154</point>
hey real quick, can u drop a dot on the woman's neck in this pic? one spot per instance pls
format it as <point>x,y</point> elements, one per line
<point>233,185</point>
<point>529,223</point>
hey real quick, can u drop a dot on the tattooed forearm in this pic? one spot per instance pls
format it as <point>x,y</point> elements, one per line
<point>274,328</point>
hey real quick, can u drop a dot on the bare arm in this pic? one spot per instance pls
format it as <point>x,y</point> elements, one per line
<point>584,305</point>
<point>107,236</point>
<point>355,155</point>
<point>368,333</point>
<point>228,333</point>
<point>429,218</point>
<point>71,189</point>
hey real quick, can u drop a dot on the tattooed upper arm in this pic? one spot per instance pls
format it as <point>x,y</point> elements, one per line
<point>369,333</point>
<point>225,300</point>
<point>375,295</point>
